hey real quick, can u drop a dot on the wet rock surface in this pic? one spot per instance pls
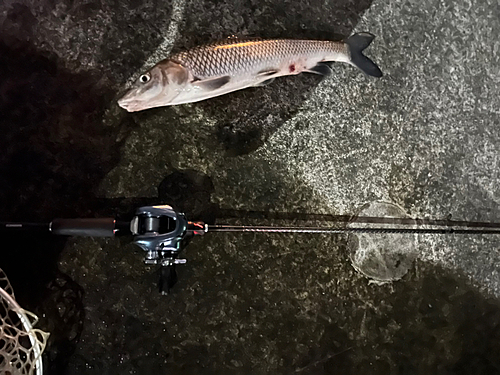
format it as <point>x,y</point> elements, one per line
<point>423,137</point>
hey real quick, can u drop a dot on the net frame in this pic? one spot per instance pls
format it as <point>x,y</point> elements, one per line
<point>21,345</point>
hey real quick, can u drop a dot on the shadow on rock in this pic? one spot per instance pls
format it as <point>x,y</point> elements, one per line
<point>189,191</point>
<point>54,152</point>
<point>443,325</point>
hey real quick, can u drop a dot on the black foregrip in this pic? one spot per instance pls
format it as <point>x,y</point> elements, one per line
<point>100,227</point>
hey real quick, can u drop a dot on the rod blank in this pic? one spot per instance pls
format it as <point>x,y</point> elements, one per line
<point>271,229</point>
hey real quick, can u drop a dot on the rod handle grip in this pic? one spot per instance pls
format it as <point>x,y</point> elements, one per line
<point>94,227</point>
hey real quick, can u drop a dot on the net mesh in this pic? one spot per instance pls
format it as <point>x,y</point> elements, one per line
<point>21,345</point>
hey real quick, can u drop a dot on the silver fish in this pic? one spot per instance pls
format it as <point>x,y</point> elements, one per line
<point>208,71</point>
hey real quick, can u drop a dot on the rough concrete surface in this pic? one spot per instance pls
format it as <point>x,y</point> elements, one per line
<point>424,137</point>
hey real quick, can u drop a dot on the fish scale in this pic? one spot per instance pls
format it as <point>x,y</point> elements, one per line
<point>239,56</point>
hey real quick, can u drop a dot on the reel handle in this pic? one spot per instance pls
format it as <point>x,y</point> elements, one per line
<point>167,279</point>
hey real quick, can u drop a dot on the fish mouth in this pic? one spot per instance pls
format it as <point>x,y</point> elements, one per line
<point>128,102</point>
<point>130,105</point>
<point>134,101</point>
<point>134,105</point>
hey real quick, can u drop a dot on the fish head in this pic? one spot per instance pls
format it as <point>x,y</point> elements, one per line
<point>158,87</point>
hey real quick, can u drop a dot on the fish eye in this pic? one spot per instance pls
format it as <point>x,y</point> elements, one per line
<point>144,78</point>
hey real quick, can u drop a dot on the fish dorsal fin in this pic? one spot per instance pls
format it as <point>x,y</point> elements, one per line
<point>211,83</point>
<point>243,37</point>
<point>235,39</point>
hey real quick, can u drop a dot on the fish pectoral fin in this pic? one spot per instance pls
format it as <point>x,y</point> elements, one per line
<point>212,83</point>
<point>265,83</point>
<point>267,72</point>
<point>321,69</point>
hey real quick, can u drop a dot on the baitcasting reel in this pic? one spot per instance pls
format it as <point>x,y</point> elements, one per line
<point>162,233</point>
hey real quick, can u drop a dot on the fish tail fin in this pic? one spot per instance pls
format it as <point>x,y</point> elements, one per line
<point>357,43</point>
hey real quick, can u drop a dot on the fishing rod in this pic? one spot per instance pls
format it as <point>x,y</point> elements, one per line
<point>163,232</point>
